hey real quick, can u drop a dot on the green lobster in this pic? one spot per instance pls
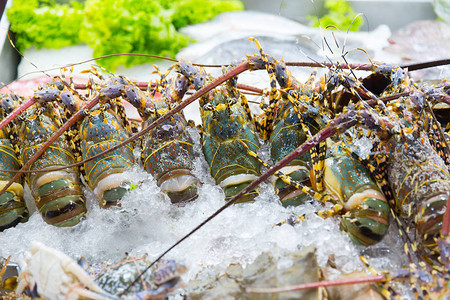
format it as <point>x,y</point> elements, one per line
<point>58,195</point>
<point>225,127</point>
<point>365,208</point>
<point>227,132</point>
<point>168,150</point>
<point>293,122</point>
<point>12,205</point>
<point>104,127</point>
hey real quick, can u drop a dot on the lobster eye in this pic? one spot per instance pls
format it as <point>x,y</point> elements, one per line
<point>149,111</point>
<point>67,100</point>
<point>293,94</point>
<point>207,107</point>
<point>232,101</point>
<point>59,85</point>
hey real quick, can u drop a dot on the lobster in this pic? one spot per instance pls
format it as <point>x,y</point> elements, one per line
<point>12,205</point>
<point>225,126</point>
<point>58,195</point>
<point>104,127</point>
<point>168,150</point>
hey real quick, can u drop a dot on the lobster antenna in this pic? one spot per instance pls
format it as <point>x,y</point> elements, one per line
<point>87,61</point>
<point>279,7</point>
<point>105,70</point>
<point>341,52</point>
<point>328,45</point>
<point>6,85</point>
<point>338,67</point>
<point>320,26</point>
<point>351,24</point>
<point>343,56</point>
<point>34,65</point>
<point>307,56</point>
<point>24,57</point>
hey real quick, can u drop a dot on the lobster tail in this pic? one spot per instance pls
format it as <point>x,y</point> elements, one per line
<point>234,184</point>
<point>367,221</point>
<point>12,206</point>
<point>366,217</point>
<point>298,171</point>
<point>171,165</point>
<point>430,218</point>
<point>180,187</point>
<point>59,198</point>
<point>111,188</point>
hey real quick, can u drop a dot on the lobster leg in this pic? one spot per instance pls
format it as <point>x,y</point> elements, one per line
<point>266,126</point>
<point>287,179</point>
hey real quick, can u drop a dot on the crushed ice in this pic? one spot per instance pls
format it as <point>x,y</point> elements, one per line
<point>147,223</point>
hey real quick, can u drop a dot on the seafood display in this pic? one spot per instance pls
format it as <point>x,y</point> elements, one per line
<point>74,133</point>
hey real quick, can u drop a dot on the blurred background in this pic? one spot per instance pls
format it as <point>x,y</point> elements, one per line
<point>55,33</point>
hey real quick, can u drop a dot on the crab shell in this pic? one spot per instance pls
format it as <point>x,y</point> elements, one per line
<point>56,275</point>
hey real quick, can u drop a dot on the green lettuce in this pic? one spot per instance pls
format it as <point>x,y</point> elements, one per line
<point>130,26</point>
<point>112,26</point>
<point>45,24</point>
<point>196,11</point>
<point>340,14</point>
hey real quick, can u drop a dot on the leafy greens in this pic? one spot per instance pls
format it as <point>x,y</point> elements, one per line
<point>112,26</point>
<point>340,14</point>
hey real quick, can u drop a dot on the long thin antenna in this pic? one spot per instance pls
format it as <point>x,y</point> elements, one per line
<point>23,56</point>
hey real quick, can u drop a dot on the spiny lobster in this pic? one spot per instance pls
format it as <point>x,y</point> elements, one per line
<point>12,205</point>
<point>365,117</point>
